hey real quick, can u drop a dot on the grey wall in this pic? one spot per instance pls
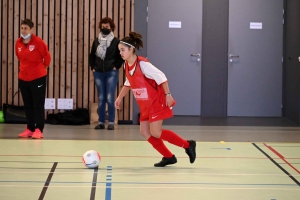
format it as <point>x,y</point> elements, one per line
<point>291,97</point>
<point>140,26</point>
<point>214,58</point>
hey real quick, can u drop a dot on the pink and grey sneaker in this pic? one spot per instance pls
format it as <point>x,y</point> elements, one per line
<point>26,134</point>
<point>37,134</point>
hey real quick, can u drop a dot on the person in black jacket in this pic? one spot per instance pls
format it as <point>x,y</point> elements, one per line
<point>105,62</point>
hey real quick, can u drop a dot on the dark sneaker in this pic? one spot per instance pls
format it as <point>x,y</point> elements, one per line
<point>100,126</point>
<point>166,161</point>
<point>191,151</point>
<point>110,127</point>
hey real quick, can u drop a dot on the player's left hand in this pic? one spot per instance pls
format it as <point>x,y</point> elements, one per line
<point>169,101</point>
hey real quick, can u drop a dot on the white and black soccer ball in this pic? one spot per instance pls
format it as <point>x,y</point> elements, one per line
<point>91,159</point>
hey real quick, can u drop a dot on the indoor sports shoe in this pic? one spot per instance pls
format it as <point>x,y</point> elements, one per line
<point>37,134</point>
<point>27,133</point>
<point>191,151</point>
<point>166,161</point>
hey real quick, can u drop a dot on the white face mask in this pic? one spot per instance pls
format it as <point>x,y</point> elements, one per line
<point>25,36</point>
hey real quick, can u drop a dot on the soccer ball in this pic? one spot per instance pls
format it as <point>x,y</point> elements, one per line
<point>91,159</point>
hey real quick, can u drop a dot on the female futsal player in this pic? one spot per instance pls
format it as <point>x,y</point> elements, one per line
<point>150,88</point>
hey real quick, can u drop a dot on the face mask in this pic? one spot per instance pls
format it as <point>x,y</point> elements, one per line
<point>105,31</point>
<point>25,36</point>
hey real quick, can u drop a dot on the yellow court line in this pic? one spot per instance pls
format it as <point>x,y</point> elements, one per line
<point>216,142</point>
<point>163,173</point>
<point>157,187</point>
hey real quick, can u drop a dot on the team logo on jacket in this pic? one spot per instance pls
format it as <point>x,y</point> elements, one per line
<point>31,47</point>
<point>19,48</point>
<point>140,93</point>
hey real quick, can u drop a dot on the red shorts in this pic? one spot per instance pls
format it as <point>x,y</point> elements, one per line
<point>161,115</point>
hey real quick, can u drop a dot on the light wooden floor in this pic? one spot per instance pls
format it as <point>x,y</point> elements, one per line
<point>249,163</point>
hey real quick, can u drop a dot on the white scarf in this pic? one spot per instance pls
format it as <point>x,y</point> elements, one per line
<point>104,43</point>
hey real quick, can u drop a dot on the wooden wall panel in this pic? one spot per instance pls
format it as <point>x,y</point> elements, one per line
<point>51,16</point>
<point>62,58</point>
<point>69,50</point>
<point>56,52</point>
<point>15,61</point>
<point>80,66</point>
<point>74,66</point>
<point>10,52</point>
<point>86,50</point>
<point>68,27</point>
<point>4,48</point>
<point>93,28</point>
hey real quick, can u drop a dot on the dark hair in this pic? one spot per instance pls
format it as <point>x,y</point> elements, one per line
<point>107,20</point>
<point>27,22</point>
<point>135,39</point>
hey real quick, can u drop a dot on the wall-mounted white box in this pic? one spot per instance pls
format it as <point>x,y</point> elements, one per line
<point>49,103</point>
<point>65,104</point>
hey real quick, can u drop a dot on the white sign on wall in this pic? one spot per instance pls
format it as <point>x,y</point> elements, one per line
<point>174,24</point>
<point>255,25</point>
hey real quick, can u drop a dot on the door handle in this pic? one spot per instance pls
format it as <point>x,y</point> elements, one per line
<point>233,56</point>
<point>198,55</point>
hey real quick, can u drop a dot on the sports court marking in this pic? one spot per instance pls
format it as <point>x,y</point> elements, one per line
<point>282,158</point>
<point>42,195</point>
<point>166,187</point>
<point>145,173</point>
<point>94,184</point>
<point>108,183</point>
<point>282,169</point>
<point>209,157</point>
<point>222,148</point>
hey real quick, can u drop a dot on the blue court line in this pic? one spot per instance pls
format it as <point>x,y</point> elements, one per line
<point>222,148</point>
<point>108,183</point>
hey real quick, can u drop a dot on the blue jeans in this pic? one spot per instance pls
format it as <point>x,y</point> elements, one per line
<point>106,84</point>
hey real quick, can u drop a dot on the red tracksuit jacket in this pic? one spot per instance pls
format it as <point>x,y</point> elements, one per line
<point>34,58</point>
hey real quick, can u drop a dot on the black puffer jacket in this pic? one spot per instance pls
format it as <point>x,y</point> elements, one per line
<point>112,58</point>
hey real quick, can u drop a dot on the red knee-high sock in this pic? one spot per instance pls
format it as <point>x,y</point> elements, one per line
<point>173,138</point>
<point>159,145</point>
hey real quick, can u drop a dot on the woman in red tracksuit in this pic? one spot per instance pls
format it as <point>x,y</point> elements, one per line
<point>34,58</point>
<point>151,91</point>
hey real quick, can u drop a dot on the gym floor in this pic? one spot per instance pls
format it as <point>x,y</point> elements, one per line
<point>260,162</point>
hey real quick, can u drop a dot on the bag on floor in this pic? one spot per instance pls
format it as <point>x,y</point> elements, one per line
<point>14,114</point>
<point>79,116</point>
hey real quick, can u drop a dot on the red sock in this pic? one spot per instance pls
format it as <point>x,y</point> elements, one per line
<point>173,138</point>
<point>159,145</point>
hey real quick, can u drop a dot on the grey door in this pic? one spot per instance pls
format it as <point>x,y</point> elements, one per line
<point>255,69</point>
<point>170,49</point>
<point>292,61</point>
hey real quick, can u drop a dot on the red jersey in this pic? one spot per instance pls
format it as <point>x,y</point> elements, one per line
<point>34,58</point>
<point>149,96</point>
